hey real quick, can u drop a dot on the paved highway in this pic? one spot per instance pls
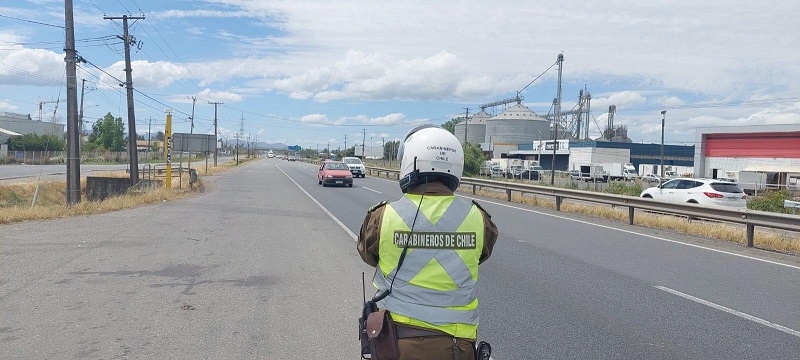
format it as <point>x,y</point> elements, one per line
<point>263,265</point>
<point>559,286</point>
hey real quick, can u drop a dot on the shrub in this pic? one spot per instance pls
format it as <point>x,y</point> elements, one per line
<point>623,188</point>
<point>771,201</point>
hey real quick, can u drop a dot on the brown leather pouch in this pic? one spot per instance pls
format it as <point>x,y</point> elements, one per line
<point>382,336</point>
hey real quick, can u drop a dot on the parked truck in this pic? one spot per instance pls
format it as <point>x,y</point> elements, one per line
<point>619,171</point>
<point>592,172</point>
<point>670,171</point>
<point>509,165</point>
<point>750,182</point>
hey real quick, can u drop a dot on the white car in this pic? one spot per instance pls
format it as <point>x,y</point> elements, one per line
<point>651,178</point>
<point>356,166</point>
<point>698,191</point>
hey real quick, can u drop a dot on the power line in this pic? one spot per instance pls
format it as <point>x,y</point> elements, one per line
<point>31,21</point>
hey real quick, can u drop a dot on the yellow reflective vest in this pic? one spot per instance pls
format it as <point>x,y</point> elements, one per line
<point>435,286</point>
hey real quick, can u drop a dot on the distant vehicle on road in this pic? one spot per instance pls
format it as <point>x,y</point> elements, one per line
<point>270,154</point>
<point>356,166</point>
<point>291,158</point>
<point>528,175</point>
<point>651,178</point>
<point>698,191</point>
<point>334,173</point>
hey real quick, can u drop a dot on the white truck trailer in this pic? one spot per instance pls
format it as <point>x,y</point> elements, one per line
<point>619,171</point>
<point>592,172</point>
<point>750,182</point>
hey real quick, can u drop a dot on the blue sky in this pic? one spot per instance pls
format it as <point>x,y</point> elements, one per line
<point>314,72</point>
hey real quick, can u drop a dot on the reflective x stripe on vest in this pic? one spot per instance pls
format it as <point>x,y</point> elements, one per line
<point>422,303</point>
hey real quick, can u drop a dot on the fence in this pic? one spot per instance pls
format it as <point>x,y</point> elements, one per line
<point>59,157</point>
<point>749,218</point>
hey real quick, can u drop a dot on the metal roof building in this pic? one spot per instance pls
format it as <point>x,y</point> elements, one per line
<point>23,124</point>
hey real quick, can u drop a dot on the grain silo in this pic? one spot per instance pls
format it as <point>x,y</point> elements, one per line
<point>517,125</point>
<point>474,129</point>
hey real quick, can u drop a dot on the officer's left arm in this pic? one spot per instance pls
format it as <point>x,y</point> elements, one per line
<point>490,234</point>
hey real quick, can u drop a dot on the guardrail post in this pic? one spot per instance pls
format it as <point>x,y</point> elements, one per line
<point>508,194</point>
<point>750,233</point>
<point>474,188</point>
<point>630,215</point>
<point>558,203</point>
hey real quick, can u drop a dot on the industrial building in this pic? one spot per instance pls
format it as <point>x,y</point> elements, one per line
<point>12,124</point>
<point>519,132</point>
<point>772,150</point>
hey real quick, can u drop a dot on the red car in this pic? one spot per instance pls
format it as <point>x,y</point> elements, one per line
<point>334,173</point>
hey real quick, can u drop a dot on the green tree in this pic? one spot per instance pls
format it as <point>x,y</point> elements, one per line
<point>33,142</point>
<point>450,125</point>
<point>473,159</point>
<point>109,133</point>
<point>160,136</point>
<point>390,150</point>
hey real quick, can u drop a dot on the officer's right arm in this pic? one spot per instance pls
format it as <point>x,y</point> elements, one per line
<point>369,236</point>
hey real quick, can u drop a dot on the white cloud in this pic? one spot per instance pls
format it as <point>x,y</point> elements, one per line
<point>7,106</point>
<point>31,67</point>
<point>621,100</point>
<point>221,96</point>
<point>670,101</point>
<point>390,119</point>
<point>176,14</point>
<point>320,119</point>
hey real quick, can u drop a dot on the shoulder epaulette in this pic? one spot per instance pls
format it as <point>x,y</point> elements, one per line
<point>480,207</point>
<point>377,206</point>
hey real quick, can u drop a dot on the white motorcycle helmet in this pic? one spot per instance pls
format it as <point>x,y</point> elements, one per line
<point>430,153</point>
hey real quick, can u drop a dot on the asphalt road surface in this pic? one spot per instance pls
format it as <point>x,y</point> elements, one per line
<point>263,265</point>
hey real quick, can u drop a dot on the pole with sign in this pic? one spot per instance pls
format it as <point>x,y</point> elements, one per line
<point>168,147</point>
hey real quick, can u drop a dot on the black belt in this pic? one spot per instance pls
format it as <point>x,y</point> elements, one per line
<point>408,332</point>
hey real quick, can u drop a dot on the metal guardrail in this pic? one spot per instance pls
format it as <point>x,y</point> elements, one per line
<point>749,218</point>
<point>794,205</point>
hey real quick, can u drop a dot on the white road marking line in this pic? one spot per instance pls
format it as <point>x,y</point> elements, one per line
<point>629,231</point>
<point>352,235</point>
<point>731,311</point>
<point>376,191</point>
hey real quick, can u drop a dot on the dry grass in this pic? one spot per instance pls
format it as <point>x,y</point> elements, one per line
<point>16,198</point>
<point>764,239</point>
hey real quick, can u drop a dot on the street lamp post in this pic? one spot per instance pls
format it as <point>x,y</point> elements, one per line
<point>663,117</point>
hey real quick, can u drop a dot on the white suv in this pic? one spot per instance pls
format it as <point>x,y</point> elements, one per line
<point>698,191</point>
<point>356,166</point>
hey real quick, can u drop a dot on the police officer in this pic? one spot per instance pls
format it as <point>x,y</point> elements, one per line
<point>441,239</point>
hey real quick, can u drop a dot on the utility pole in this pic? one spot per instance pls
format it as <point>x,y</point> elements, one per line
<point>80,118</point>
<point>557,103</point>
<point>216,133</point>
<point>191,129</point>
<point>663,118</point>
<point>345,142</point>
<point>73,150</point>
<point>363,140</point>
<point>466,125</point>
<point>239,135</point>
<point>149,126</point>
<point>383,147</point>
<point>132,151</point>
